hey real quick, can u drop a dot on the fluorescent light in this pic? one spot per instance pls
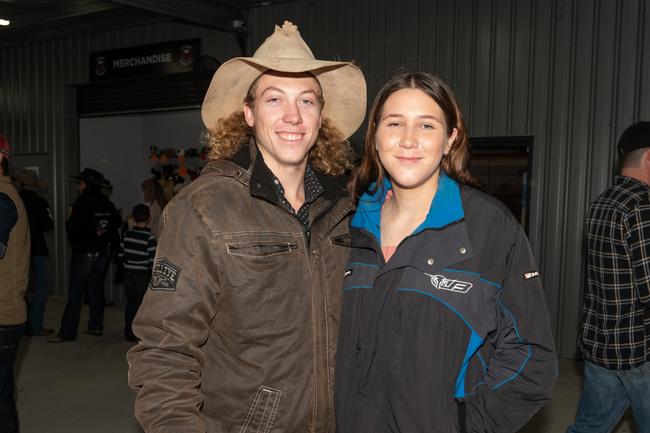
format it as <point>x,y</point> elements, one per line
<point>4,22</point>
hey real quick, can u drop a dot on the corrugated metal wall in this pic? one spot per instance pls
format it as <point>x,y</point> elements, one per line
<point>38,100</point>
<point>571,73</point>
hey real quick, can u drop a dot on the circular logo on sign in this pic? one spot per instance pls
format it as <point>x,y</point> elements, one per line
<point>100,66</point>
<point>187,55</point>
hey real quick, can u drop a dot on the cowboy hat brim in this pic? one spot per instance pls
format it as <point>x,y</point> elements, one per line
<point>40,186</point>
<point>343,85</point>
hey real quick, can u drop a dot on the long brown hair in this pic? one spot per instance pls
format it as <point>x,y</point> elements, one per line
<point>454,164</point>
<point>154,192</point>
<point>332,153</point>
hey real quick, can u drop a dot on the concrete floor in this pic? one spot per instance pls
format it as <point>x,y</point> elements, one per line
<point>81,386</point>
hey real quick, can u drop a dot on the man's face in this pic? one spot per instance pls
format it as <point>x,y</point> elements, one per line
<point>285,117</point>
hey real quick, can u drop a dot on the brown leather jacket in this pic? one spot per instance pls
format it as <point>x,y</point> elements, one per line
<point>238,327</point>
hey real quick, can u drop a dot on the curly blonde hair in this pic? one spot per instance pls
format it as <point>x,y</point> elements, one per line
<point>331,155</point>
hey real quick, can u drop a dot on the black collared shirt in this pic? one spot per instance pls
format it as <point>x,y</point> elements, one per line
<point>313,189</point>
<point>616,313</point>
<point>265,184</point>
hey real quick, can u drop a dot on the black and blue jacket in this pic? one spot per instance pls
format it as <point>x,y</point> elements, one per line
<point>452,334</point>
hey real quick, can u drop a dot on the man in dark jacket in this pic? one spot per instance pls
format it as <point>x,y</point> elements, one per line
<point>92,225</point>
<point>238,327</point>
<point>40,222</point>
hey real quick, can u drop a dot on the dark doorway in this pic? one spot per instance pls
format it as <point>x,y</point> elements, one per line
<point>502,165</point>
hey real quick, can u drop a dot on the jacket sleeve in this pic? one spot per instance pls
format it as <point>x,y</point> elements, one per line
<point>638,240</point>
<point>521,365</point>
<point>172,325</point>
<point>8,218</point>
<point>116,223</point>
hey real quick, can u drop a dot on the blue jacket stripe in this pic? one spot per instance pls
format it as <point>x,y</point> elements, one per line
<point>356,287</point>
<point>370,265</point>
<point>498,286</point>
<point>480,357</point>
<point>462,271</point>
<point>404,289</point>
<point>476,274</point>
<point>525,361</point>
<point>475,342</point>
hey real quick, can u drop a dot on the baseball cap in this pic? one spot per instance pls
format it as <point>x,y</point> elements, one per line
<point>636,136</point>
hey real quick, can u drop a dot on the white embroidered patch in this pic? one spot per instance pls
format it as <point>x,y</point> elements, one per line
<point>529,275</point>
<point>441,282</point>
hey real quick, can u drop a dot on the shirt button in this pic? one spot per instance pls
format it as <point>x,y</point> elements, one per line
<point>275,181</point>
<point>430,262</point>
<point>462,250</point>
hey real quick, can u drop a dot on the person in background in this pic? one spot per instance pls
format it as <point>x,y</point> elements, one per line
<point>238,327</point>
<point>444,326</point>
<point>136,253</point>
<point>92,226</point>
<point>615,339</point>
<point>14,277</point>
<point>40,222</point>
<point>154,197</point>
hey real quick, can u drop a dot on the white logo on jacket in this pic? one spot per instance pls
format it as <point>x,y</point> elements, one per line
<point>441,282</point>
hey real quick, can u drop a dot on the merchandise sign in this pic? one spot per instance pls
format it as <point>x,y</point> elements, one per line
<point>155,59</point>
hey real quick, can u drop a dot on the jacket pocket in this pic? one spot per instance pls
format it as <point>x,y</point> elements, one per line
<point>262,411</point>
<point>260,249</point>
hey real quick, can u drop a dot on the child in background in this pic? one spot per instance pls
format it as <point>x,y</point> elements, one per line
<point>137,251</point>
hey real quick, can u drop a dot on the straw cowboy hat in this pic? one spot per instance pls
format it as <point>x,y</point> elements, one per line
<point>28,179</point>
<point>343,85</point>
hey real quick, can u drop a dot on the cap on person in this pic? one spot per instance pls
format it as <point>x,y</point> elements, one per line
<point>635,136</point>
<point>90,176</point>
<point>342,83</point>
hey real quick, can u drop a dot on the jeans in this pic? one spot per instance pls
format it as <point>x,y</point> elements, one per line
<point>9,340</point>
<point>135,286</point>
<point>606,395</point>
<point>37,306</point>
<point>87,271</point>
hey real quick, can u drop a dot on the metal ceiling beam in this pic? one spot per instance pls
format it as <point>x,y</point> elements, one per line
<point>63,10</point>
<point>192,12</point>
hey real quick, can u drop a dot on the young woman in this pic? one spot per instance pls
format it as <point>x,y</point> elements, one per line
<point>444,326</point>
<point>154,197</point>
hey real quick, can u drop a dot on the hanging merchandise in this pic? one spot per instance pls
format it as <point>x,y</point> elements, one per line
<point>174,166</point>
<point>182,171</point>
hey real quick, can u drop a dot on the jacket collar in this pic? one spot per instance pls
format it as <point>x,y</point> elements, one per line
<point>250,170</point>
<point>445,209</point>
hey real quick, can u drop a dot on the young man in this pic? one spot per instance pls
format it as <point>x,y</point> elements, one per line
<point>615,338</point>
<point>136,253</point>
<point>238,328</point>
<point>14,275</point>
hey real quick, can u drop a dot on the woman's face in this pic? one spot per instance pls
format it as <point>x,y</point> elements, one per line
<point>411,138</point>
